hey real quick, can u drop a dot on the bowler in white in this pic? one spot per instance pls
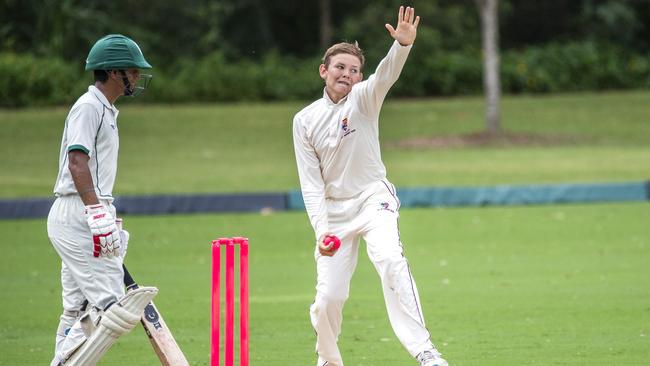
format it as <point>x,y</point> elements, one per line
<point>346,194</point>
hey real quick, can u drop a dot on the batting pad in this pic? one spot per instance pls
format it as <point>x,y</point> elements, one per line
<point>118,320</point>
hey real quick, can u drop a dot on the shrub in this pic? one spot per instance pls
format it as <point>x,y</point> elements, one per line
<point>27,80</point>
<point>573,66</point>
<point>431,70</point>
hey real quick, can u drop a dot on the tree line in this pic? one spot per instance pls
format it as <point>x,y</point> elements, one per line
<point>260,50</point>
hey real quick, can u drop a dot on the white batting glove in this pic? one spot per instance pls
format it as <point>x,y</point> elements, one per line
<point>106,237</point>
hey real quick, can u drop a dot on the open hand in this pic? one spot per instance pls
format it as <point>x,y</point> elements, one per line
<point>407,25</point>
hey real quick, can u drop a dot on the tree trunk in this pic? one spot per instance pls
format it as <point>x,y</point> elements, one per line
<point>491,78</point>
<point>325,23</point>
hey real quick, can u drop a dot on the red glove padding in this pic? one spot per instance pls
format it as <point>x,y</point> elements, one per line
<point>106,236</point>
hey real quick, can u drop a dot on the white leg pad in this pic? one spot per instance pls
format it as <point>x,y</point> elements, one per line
<point>77,335</point>
<point>68,319</point>
<point>118,320</point>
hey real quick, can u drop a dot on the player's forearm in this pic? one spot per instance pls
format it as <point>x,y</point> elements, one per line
<point>313,195</point>
<point>372,94</point>
<point>311,181</point>
<point>391,66</point>
<point>317,212</point>
<point>83,180</point>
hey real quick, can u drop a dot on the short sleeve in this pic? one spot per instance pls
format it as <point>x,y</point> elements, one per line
<point>83,124</point>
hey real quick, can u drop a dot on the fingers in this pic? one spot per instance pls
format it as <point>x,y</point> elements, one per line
<point>410,16</point>
<point>407,15</point>
<point>106,245</point>
<point>390,29</point>
<point>326,252</point>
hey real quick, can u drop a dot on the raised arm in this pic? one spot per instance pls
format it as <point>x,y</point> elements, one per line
<point>371,93</point>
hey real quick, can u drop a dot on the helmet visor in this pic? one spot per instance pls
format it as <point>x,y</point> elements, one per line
<point>141,84</point>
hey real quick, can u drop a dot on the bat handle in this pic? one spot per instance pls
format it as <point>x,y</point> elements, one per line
<point>129,282</point>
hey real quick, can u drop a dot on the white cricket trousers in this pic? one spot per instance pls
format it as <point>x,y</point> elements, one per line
<point>372,216</point>
<point>99,281</point>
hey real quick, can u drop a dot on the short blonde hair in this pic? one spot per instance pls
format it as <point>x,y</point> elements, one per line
<point>344,47</point>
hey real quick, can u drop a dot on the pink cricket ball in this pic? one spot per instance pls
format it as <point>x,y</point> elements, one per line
<point>332,240</point>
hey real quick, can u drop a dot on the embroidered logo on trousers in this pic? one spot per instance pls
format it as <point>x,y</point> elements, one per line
<point>385,206</point>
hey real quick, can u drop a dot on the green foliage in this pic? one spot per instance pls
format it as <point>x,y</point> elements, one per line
<point>248,51</point>
<point>615,21</point>
<point>287,78</point>
<point>68,28</point>
<point>215,78</point>
<point>431,70</point>
<point>253,28</point>
<point>27,80</point>
<point>573,66</point>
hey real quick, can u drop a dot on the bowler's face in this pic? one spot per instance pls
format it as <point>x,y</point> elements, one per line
<point>343,72</point>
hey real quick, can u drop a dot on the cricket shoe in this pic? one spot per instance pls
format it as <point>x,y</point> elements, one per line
<point>431,358</point>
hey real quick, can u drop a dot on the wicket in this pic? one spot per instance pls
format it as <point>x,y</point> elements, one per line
<point>229,243</point>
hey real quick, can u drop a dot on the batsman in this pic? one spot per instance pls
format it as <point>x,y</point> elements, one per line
<point>81,224</point>
<point>348,197</point>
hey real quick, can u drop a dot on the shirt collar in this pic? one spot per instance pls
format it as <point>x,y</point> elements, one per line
<point>102,98</point>
<point>330,101</point>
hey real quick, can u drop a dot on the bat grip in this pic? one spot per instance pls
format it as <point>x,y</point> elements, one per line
<point>129,282</point>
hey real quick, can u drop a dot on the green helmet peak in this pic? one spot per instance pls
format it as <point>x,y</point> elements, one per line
<point>116,52</point>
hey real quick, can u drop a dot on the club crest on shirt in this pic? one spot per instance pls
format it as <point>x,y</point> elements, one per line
<point>385,206</point>
<point>346,129</point>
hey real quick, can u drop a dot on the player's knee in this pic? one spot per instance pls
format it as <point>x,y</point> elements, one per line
<point>74,307</point>
<point>335,299</point>
<point>392,263</point>
<point>330,300</point>
<point>326,308</point>
<point>394,268</point>
<point>389,253</point>
<point>117,320</point>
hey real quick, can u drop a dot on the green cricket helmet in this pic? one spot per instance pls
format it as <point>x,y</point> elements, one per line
<point>116,52</point>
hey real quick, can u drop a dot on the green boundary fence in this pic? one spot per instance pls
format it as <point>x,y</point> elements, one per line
<point>409,197</point>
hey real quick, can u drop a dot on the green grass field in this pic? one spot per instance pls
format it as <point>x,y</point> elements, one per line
<point>560,285</point>
<point>534,285</point>
<point>218,148</point>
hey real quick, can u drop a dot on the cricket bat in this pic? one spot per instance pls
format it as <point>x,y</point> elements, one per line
<point>159,335</point>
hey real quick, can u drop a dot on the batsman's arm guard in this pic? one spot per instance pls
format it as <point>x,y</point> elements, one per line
<point>119,319</point>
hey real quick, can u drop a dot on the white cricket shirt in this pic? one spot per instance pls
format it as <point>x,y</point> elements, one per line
<point>91,126</point>
<point>337,144</point>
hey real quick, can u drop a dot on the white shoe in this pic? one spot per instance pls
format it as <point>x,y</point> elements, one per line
<point>431,358</point>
